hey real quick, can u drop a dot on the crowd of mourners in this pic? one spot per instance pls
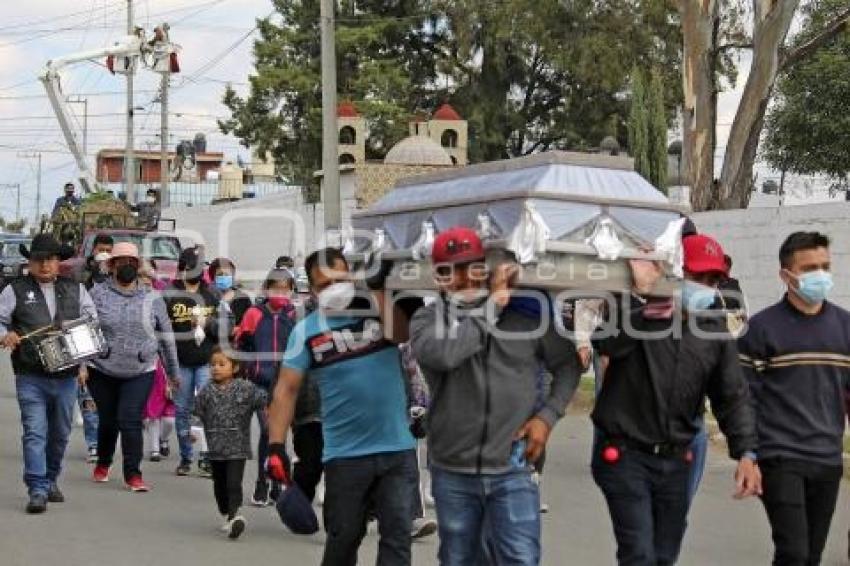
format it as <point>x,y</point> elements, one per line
<point>349,383</point>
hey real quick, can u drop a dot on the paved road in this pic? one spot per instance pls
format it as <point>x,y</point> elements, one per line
<point>175,523</point>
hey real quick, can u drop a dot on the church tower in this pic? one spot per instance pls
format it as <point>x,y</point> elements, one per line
<point>448,129</point>
<point>352,134</point>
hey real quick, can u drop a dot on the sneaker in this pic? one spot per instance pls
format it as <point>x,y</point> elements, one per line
<point>274,493</point>
<point>236,526</point>
<point>423,527</point>
<point>185,468</point>
<point>155,457</point>
<point>100,474</point>
<point>225,524</point>
<point>92,457</point>
<point>137,485</point>
<point>204,468</point>
<point>54,495</point>
<point>261,494</point>
<point>428,499</point>
<point>544,507</point>
<point>164,449</point>
<point>37,504</point>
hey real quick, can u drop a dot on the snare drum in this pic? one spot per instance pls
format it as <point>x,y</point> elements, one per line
<point>78,341</point>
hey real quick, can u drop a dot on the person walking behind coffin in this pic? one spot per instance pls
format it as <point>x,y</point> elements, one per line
<point>368,449</point>
<point>796,355</point>
<point>262,339</point>
<point>194,311</point>
<point>659,364</point>
<point>136,328</point>
<point>483,428</point>
<point>46,400</point>
<point>225,407</point>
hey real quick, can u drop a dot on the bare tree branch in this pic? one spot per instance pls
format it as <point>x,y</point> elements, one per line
<point>807,49</point>
<point>731,46</point>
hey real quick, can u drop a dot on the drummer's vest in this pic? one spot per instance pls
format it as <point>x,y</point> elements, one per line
<point>31,314</point>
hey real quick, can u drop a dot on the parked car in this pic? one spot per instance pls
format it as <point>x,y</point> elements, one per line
<point>12,263</point>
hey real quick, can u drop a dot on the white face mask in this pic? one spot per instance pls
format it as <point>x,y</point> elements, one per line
<point>337,296</point>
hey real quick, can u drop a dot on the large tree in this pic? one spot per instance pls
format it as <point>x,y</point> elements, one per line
<point>808,128</point>
<point>528,75</point>
<point>705,43</point>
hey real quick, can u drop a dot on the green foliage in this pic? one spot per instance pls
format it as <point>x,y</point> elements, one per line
<point>639,124</point>
<point>808,129</point>
<point>527,75</point>
<point>657,133</point>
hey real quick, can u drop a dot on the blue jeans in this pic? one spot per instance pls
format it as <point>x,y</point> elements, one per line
<point>379,483</point>
<point>90,420</point>
<point>505,506</point>
<point>192,379</point>
<point>699,449</point>
<point>47,415</point>
<point>647,499</point>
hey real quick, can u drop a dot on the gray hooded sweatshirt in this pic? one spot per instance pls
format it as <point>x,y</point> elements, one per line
<point>137,329</point>
<point>484,382</point>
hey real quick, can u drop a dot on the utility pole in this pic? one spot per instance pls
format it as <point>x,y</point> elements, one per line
<point>129,157</point>
<point>164,197</point>
<point>330,158</point>
<point>85,102</point>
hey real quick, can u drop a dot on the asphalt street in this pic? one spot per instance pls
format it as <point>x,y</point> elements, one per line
<point>175,524</point>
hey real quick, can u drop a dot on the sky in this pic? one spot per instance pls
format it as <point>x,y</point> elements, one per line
<point>216,41</point>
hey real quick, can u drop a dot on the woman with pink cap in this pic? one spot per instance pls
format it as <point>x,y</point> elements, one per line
<point>137,330</point>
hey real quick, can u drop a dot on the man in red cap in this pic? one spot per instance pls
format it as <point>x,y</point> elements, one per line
<point>481,348</point>
<point>659,368</point>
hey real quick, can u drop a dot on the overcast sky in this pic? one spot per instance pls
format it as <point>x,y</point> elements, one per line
<point>34,31</point>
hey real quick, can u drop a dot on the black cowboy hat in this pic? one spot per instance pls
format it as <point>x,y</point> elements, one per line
<point>45,246</point>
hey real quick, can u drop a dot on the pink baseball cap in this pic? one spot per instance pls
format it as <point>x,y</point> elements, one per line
<point>125,249</point>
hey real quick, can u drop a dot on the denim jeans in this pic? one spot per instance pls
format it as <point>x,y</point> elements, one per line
<point>47,415</point>
<point>699,449</point>
<point>648,502</point>
<point>356,486</point>
<point>504,506</point>
<point>121,404</point>
<point>192,379</point>
<point>89,412</point>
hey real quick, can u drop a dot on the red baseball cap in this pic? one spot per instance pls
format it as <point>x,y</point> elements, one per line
<point>703,254</point>
<point>457,245</point>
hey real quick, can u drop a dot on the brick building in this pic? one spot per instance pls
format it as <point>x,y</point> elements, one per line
<point>110,166</point>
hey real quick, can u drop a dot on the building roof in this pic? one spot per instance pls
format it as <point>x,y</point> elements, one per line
<point>208,156</point>
<point>346,109</point>
<point>417,150</point>
<point>446,112</point>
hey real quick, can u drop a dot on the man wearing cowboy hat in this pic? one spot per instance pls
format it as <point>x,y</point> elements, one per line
<point>46,400</point>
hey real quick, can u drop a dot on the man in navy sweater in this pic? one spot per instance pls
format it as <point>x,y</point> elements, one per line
<point>797,358</point>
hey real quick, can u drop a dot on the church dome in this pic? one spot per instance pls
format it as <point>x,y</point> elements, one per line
<point>417,150</point>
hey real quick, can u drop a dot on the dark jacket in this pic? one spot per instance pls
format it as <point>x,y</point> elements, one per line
<point>654,388</point>
<point>226,412</point>
<point>483,382</point>
<point>180,305</point>
<point>31,313</point>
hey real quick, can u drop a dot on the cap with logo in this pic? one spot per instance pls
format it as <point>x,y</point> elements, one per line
<point>703,254</point>
<point>457,245</point>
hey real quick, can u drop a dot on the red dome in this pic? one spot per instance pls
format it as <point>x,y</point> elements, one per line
<point>346,109</point>
<point>446,112</point>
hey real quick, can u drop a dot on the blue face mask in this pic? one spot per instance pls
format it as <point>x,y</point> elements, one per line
<point>223,282</point>
<point>697,297</point>
<point>814,286</point>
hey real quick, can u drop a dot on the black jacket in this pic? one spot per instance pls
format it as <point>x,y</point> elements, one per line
<point>654,389</point>
<point>180,304</point>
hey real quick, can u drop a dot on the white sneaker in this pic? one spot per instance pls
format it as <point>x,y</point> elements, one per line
<point>423,527</point>
<point>544,507</point>
<point>92,457</point>
<point>428,499</point>
<point>225,525</point>
<point>236,526</point>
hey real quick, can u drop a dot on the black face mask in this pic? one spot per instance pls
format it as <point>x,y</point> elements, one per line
<point>126,274</point>
<point>193,280</point>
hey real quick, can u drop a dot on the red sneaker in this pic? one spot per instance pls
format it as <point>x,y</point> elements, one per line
<point>100,474</point>
<point>137,485</point>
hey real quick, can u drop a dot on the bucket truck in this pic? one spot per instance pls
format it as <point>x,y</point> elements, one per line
<point>157,54</point>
